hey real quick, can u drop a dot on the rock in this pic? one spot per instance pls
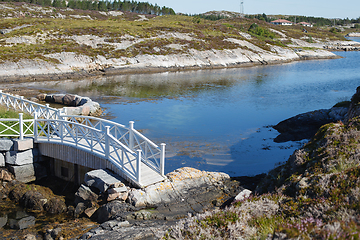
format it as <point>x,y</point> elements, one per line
<point>19,158</point>
<point>21,221</point>
<point>3,220</point>
<point>55,206</point>
<point>69,100</point>
<point>80,208</point>
<point>118,196</point>
<point>85,110</point>
<point>112,210</point>
<point>2,160</point>
<point>305,125</point>
<point>29,172</point>
<point>5,175</point>
<point>102,179</point>
<point>182,182</point>
<point>22,145</point>
<point>90,211</point>
<point>41,97</point>
<point>85,194</point>
<point>24,173</point>
<point>33,200</point>
<point>5,144</point>
<point>58,98</point>
<point>242,195</point>
<point>29,237</point>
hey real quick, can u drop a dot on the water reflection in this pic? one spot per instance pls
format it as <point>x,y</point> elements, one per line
<point>215,119</point>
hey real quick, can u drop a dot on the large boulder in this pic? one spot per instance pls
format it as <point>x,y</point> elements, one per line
<point>5,144</point>
<point>103,179</point>
<point>305,125</point>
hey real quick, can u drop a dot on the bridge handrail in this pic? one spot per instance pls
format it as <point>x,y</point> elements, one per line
<point>20,128</point>
<point>89,138</point>
<point>24,105</point>
<point>152,154</point>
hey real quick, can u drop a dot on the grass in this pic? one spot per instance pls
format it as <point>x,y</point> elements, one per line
<point>206,34</point>
<point>8,132</point>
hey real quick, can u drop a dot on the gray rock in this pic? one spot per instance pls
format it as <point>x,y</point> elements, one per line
<point>102,179</point>
<point>84,193</point>
<point>243,194</point>
<point>22,223</point>
<point>3,220</point>
<point>5,144</point>
<point>26,173</point>
<point>112,210</point>
<point>2,160</point>
<point>22,145</point>
<point>19,158</point>
<point>69,100</point>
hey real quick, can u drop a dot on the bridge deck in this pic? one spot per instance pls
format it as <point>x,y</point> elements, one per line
<point>66,150</point>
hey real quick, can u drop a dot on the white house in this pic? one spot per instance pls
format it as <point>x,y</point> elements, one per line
<point>306,24</point>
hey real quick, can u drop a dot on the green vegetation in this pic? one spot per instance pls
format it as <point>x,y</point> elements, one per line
<point>4,130</point>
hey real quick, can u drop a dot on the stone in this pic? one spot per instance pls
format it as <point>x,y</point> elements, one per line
<point>29,237</point>
<point>26,173</point>
<point>55,206</point>
<point>2,160</point>
<point>3,220</point>
<point>69,100</point>
<point>49,99</point>
<point>79,209</point>
<point>112,210</point>
<point>118,196</point>
<point>22,223</point>
<point>90,211</point>
<point>84,193</point>
<point>58,98</point>
<point>41,97</point>
<point>33,200</point>
<point>102,179</point>
<point>85,110</point>
<point>5,175</point>
<point>19,158</point>
<point>6,144</point>
<point>22,145</point>
<point>242,195</point>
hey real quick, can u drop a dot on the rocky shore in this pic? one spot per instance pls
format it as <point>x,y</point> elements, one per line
<point>194,59</point>
<point>353,34</point>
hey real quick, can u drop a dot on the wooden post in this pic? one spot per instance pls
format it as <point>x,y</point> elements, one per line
<point>21,127</point>
<point>131,135</point>
<point>138,166</point>
<point>162,158</point>
<point>107,142</point>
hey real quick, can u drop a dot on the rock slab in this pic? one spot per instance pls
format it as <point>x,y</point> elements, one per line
<point>102,179</point>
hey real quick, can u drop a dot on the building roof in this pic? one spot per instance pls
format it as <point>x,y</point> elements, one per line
<point>304,23</point>
<point>281,21</point>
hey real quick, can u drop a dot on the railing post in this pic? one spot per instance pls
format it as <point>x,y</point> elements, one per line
<point>107,142</point>
<point>131,135</point>
<point>138,166</point>
<point>35,127</point>
<point>162,158</point>
<point>21,103</point>
<point>21,129</point>
<point>47,111</point>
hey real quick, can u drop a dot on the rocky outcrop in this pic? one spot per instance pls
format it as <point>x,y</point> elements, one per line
<point>305,125</point>
<point>77,105</point>
<point>353,34</point>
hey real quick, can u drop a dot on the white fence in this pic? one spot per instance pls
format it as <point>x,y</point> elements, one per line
<point>123,146</point>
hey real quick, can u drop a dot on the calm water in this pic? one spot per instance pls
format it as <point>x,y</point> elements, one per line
<point>219,120</point>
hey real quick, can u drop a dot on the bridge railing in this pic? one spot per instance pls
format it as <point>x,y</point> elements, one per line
<point>152,154</point>
<point>16,127</point>
<point>99,142</point>
<point>20,104</point>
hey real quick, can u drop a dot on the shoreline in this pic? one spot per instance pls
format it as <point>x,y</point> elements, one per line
<point>112,71</point>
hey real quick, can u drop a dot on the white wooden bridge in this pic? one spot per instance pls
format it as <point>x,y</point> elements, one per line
<point>87,141</point>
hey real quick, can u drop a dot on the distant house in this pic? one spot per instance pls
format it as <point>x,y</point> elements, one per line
<point>305,24</point>
<point>282,22</point>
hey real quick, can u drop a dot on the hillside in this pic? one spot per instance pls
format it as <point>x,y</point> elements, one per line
<point>47,42</point>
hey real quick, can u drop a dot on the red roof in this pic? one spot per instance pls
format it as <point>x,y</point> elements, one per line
<point>281,21</point>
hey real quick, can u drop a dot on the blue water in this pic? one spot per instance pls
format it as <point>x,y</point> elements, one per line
<point>219,120</point>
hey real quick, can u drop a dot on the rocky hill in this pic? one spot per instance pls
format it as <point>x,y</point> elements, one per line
<point>46,42</point>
